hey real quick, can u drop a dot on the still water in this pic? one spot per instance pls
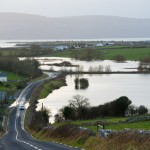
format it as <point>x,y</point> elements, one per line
<point>102,89</point>
<point>85,65</point>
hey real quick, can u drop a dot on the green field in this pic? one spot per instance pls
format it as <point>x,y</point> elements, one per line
<point>13,76</point>
<point>128,53</point>
<point>143,125</point>
<point>16,81</point>
<point>111,123</point>
<point>109,53</point>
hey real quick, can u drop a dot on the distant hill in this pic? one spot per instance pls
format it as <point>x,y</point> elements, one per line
<point>25,26</point>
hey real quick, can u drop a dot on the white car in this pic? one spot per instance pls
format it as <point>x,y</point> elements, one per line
<point>21,107</point>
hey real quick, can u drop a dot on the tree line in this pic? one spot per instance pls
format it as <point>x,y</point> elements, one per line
<point>79,108</point>
<point>27,67</point>
<point>87,54</point>
<point>81,83</point>
<point>33,50</point>
<point>144,64</point>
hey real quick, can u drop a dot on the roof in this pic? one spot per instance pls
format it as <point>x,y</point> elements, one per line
<point>3,75</point>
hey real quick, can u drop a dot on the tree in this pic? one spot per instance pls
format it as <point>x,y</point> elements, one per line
<point>142,110</point>
<point>77,108</point>
<point>132,110</point>
<point>121,105</point>
<point>119,58</point>
<point>108,68</point>
<point>69,113</point>
<point>76,83</point>
<point>35,50</point>
<point>59,118</point>
<point>144,64</point>
<point>40,119</point>
<point>82,83</point>
<point>79,101</point>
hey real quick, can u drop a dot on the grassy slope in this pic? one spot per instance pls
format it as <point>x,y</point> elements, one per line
<point>122,141</point>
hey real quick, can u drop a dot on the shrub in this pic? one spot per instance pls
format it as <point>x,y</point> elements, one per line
<point>119,58</point>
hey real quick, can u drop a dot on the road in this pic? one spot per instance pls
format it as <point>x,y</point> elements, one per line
<point>16,138</point>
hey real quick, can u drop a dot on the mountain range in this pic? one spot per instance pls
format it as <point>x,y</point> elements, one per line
<point>27,26</point>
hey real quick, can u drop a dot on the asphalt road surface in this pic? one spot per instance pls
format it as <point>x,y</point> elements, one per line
<point>16,138</point>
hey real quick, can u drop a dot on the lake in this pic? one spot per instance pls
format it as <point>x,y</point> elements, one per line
<point>102,88</point>
<point>85,65</point>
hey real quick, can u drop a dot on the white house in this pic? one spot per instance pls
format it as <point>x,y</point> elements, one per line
<point>99,44</point>
<point>3,77</point>
<point>60,48</point>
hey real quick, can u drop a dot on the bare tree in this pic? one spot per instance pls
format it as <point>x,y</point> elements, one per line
<point>108,68</point>
<point>78,102</point>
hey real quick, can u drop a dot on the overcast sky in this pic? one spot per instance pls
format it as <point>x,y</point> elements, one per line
<point>58,8</point>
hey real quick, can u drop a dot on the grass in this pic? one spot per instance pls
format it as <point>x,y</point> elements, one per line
<point>39,78</point>
<point>50,86</point>
<point>13,76</point>
<point>111,123</point>
<point>143,125</point>
<point>109,53</point>
<point>107,119</point>
<point>17,79</point>
<point>11,87</point>
<point>128,53</point>
<point>124,141</point>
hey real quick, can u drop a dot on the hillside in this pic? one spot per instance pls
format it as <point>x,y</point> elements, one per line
<point>25,26</point>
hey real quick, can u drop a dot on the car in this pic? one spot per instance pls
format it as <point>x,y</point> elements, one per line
<point>21,107</point>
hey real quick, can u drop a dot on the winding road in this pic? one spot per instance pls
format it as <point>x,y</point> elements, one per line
<point>16,138</point>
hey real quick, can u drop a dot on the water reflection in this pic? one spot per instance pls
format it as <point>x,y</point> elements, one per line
<point>103,88</point>
<point>85,65</point>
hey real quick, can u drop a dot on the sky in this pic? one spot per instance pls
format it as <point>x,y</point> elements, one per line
<point>61,8</point>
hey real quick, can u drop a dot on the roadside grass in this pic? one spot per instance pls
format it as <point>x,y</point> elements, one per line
<point>42,91</point>
<point>4,112</point>
<point>125,141</point>
<point>63,134</point>
<point>108,53</point>
<point>50,86</point>
<point>122,141</point>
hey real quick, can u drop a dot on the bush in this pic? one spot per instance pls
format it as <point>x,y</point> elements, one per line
<point>142,110</point>
<point>119,58</point>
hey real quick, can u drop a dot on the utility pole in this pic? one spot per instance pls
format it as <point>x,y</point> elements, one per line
<point>16,75</point>
<point>42,116</point>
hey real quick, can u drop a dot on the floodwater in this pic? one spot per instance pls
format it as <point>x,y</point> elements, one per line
<point>102,88</point>
<point>85,65</point>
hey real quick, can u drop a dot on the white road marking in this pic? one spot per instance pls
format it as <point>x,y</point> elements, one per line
<point>22,100</point>
<point>23,141</point>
